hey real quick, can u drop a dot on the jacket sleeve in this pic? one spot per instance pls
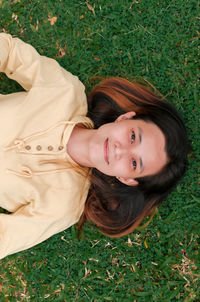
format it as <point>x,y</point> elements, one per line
<point>39,220</point>
<point>22,63</point>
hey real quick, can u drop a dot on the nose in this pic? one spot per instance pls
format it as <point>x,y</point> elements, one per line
<point>126,150</point>
<point>121,150</point>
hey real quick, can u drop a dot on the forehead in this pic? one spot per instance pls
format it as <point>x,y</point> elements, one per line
<point>154,142</point>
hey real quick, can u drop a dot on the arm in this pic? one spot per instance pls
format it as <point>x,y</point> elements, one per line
<point>22,63</point>
<point>38,220</point>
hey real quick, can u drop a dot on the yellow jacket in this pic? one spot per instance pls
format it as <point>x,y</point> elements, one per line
<point>35,125</point>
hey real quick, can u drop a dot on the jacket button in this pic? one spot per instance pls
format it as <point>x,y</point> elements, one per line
<point>28,147</point>
<point>38,147</point>
<point>60,147</point>
<point>50,148</point>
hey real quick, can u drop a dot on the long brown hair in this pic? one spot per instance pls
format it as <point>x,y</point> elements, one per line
<point>117,208</point>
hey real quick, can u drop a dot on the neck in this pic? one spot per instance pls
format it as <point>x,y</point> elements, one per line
<point>77,146</point>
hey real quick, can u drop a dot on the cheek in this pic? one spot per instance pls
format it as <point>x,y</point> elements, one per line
<point>120,133</point>
<point>122,168</point>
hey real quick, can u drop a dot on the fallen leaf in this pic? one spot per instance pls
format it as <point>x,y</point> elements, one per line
<point>115,261</point>
<point>92,259</point>
<point>129,242</point>
<point>63,238</point>
<point>61,52</point>
<point>90,8</point>
<point>14,17</point>
<point>52,20</point>
<point>154,263</point>
<point>87,272</point>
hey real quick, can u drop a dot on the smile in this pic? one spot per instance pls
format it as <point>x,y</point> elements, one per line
<point>106,151</point>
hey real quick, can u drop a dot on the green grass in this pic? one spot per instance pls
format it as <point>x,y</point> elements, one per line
<point>154,39</point>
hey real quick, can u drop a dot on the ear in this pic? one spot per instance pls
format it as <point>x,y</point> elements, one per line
<point>128,181</point>
<point>125,116</point>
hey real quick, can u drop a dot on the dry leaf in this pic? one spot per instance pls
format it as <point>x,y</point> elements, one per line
<point>92,259</point>
<point>145,243</point>
<point>115,261</point>
<point>129,242</point>
<point>52,20</point>
<point>87,272</point>
<point>14,17</point>
<point>63,238</point>
<point>90,8</point>
<point>154,263</point>
<point>61,52</point>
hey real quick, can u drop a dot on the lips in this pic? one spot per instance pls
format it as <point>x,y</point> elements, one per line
<point>106,151</point>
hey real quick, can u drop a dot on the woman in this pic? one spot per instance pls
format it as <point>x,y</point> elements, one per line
<point>137,151</point>
<point>119,211</point>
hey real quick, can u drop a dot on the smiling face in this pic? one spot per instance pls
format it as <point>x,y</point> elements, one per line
<point>128,149</point>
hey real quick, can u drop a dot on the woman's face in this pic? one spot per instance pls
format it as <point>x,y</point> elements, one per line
<point>128,149</point>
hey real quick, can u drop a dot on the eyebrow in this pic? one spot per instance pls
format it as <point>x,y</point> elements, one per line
<point>140,140</point>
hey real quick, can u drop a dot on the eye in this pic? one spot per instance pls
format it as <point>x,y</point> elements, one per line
<point>132,136</point>
<point>134,164</point>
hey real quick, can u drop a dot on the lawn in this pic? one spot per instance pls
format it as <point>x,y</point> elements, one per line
<point>153,39</point>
